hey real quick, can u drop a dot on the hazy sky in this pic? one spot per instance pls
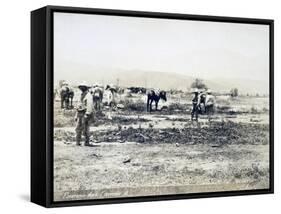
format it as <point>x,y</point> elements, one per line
<point>85,45</point>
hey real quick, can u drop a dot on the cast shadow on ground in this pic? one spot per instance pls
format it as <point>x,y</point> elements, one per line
<point>24,197</point>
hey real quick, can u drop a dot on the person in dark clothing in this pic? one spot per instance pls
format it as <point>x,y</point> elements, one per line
<point>195,105</point>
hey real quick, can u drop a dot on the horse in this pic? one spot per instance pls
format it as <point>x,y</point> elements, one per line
<point>110,93</point>
<point>153,96</point>
<point>97,93</point>
<point>204,107</point>
<point>66,95</point>
<point>137,90</point>
<point>202,101</point>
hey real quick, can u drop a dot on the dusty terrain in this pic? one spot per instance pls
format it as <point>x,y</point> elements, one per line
<point>135,153</point>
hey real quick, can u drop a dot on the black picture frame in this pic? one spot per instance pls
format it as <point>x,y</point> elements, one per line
<point>42,108</point>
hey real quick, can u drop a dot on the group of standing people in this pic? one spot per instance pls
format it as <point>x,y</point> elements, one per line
<point>202,102</point>
<point>89,103</point>
<point>66,95</point>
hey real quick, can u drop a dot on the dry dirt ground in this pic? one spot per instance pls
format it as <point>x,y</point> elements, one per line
<point>135,153</point>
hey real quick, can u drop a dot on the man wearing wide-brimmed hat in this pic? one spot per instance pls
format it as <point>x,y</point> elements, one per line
<point>84,114</point>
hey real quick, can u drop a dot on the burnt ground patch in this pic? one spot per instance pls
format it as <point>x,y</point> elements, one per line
<point>216,133</point>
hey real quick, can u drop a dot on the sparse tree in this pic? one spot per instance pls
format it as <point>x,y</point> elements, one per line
<point>234,92</point>
<point>198,83</point>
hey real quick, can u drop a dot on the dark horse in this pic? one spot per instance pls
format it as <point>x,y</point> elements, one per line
<point>153,96</point>
<point>66,95</point>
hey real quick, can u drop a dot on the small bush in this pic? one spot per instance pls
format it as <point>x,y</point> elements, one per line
<point>177,106</point>
<point>254,110</point>
<point>138,105</point>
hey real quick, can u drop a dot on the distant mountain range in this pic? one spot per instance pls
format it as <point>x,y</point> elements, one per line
<point>163,80</point>
<point>168,81</point>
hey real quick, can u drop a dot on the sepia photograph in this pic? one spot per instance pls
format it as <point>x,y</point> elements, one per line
<point>153,106</point>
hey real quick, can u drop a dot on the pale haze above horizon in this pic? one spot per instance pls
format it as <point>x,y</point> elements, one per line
<point>89,47</point>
